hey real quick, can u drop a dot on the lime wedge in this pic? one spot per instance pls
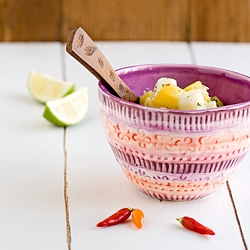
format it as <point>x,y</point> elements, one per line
<point>44,88</point>
<point>68,110</point>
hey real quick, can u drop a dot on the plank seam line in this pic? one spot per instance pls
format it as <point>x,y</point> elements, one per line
<point>65,190</point>
<point>191,52</point>
<point>236,216</point>
<point>63,61</point>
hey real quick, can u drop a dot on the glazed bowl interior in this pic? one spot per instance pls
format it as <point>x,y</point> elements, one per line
<point>229,86</point>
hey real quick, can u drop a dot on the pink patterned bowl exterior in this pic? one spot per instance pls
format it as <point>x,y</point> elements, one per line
<point>174,154</point>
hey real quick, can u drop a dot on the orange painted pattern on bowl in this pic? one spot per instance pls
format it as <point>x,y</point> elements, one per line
<point>177,152</point>
<point>176,186</point>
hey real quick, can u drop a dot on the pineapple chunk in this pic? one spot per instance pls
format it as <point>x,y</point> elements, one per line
<point>168,97</point>
<point>161,82</point>
<point>144,97</point>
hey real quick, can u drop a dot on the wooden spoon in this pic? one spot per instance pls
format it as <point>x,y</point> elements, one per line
<point>83,49</point>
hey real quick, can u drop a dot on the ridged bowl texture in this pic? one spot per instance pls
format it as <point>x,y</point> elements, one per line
<point>175,154</point>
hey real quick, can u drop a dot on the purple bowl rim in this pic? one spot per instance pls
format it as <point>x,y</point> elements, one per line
<point>104,91</point>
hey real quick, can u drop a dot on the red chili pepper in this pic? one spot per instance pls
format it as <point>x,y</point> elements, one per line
<point>193,225</point>
<point>138,218</point>
<point>116,218</point>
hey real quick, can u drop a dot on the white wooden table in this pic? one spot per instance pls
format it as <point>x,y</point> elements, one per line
<point>34,155</point>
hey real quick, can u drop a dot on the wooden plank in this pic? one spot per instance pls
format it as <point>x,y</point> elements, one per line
<point>31,205</point>
<point>168,20</point>
<point>223,20</point>
<point>239,184</point>
<point>127,20</point>
<point>98,187</point>
<point>233,57</point>
<point>26,20</point>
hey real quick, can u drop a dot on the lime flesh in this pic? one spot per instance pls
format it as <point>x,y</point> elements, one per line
<point>44,88</point>
<point>68,110</point>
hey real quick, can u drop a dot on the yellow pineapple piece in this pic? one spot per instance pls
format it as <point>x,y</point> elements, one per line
<point>150,102</point>
<point>144,97</point>
<point>168,97</point>
<point>194,85</point>
<point>199,85</point>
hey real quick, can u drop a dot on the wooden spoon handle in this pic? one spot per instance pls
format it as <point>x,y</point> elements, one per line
<point>83,49</point>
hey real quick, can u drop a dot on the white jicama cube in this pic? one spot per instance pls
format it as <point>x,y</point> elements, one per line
<point>192,100</point>
<point>210,105</point>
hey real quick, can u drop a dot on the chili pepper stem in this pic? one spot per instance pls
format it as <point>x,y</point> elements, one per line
<point>179,219</point>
